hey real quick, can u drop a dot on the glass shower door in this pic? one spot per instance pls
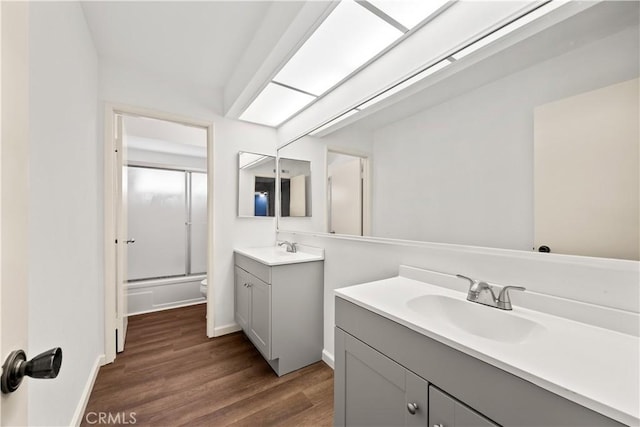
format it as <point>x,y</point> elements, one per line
<point>157,217</point>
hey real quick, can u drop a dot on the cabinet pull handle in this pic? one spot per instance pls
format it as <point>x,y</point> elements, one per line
<point>412,408</point>
<point>438,425</point>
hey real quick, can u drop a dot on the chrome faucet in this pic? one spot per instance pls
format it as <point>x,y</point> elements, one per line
<point>291,247</point>
<point>483,293</point>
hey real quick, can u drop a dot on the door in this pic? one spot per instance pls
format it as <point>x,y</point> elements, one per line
<point>14,194</point>
<point>586,173</point>
<point>447,411</point>
<point>345,196</point>
<point>121,188</point>
<point>298,196</point>
<point>242,299</point>
<point>260,315</point>
<point>377,390</point>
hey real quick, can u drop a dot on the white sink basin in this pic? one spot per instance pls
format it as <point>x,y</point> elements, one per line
<point>475,319</point>
<point>276,255</point>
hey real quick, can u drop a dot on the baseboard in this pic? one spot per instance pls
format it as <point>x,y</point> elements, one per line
<point>226,329</point>
<point>328,359</point>
<point>86,393</point>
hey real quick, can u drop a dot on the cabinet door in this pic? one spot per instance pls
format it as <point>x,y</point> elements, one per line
<point>445,411</point>
<point>376,389</point>
<point>242,299</point>
<point>260,316</point>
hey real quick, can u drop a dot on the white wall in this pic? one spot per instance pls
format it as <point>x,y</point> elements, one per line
<point>65,218</point>
<point>462,171</point>
<point>136,88</point>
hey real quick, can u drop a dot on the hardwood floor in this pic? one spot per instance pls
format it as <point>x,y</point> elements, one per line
<point>171,374</point>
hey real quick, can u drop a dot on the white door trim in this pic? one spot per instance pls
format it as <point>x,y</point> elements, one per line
<point>110,232</point>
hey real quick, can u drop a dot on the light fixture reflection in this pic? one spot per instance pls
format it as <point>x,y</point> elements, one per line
<point>509,28</point>
<point>405,84</point>
<point>334,121</point>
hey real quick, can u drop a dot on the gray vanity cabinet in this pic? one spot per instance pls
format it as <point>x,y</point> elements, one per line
<point>381,367</point>
<point>446,411</point>
<point>279,308</point>
<point>253,309</point>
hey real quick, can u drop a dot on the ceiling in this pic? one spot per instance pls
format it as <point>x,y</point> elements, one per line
<point>200,42</point>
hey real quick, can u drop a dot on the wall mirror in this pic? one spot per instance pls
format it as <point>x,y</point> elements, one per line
<point>295,187</point>
<point>534,147</point>
<point>256,185</point>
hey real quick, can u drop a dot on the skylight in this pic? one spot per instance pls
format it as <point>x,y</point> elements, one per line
<point>409,13</point>
<point>346,40</point>
<point>275,104</point>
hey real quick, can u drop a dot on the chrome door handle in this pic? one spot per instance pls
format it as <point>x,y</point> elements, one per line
<point>16,367</point>
<point>130,241</point>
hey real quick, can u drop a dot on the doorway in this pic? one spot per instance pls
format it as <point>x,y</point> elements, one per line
<point>347,193</point>
<point>158,217</point>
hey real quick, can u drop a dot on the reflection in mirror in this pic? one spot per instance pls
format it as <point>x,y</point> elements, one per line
<point>532,147</point>
<point>295,188</point>
<point>347,190</point>
<point>256,185</point>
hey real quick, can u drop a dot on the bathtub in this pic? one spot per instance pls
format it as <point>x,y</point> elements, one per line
<point>144,296</point>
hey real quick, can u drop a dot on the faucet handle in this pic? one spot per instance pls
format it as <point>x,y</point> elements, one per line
<point>504,301</point>
<point>471,281</point>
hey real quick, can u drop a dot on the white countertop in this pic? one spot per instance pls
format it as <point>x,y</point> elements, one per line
<point>592,366</point>
<point>277,255</point>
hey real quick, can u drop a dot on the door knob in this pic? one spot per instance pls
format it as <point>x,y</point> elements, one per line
<point>412,408</point>
<point>16,367</point>
<point>130,241</point>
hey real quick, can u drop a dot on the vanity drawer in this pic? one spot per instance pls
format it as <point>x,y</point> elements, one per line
<point>261,271</point>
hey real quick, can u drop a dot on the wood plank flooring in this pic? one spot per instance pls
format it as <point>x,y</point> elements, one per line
<point>171,374</point>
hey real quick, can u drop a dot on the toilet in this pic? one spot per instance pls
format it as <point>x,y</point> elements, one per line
<point>203,288</point>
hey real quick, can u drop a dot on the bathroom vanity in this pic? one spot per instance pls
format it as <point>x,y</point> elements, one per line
<point>409,352</point>
<point>278,304</point>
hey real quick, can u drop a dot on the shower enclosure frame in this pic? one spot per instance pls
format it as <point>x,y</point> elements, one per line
<point>188,171</point>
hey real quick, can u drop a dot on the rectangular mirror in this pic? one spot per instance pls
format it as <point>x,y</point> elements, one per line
<point>256,185</point>
<point>295,187</point>
<point>533,148</point>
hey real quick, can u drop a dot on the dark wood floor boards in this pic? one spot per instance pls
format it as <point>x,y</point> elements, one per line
<point>171,374</point>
